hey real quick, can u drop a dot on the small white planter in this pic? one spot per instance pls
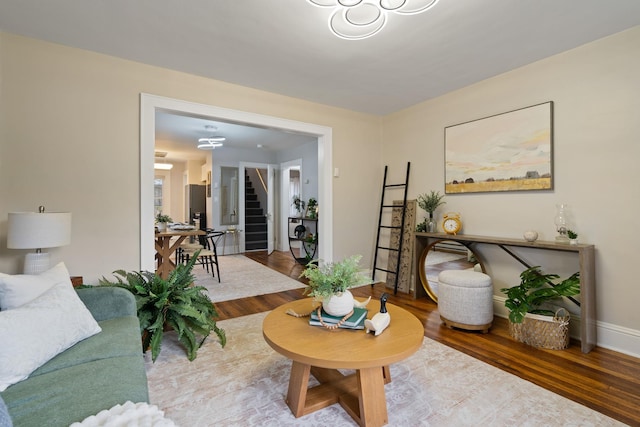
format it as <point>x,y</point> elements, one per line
<point>162,226</point>
<point>339,304</point>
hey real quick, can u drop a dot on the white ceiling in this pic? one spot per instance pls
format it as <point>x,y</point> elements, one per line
<point>284,46</point>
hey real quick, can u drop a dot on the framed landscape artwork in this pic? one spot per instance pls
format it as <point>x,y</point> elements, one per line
<point>511,151</point>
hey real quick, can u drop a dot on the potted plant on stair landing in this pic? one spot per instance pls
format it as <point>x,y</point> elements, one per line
<point>531,319</point>
<point>330,283</point>
<point>172,303</point>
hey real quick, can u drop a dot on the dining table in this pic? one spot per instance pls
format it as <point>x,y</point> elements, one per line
<point>167,243</point>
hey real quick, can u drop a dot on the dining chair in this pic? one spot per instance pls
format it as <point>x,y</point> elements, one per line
<point>208,256</point>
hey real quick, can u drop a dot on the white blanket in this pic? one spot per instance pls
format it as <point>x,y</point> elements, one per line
<point>128,415</point>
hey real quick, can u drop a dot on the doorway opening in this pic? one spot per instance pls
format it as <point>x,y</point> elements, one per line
<point>149,104</point>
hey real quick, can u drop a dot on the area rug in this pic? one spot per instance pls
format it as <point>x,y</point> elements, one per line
<point>245,383</point>
<point>242,277</point>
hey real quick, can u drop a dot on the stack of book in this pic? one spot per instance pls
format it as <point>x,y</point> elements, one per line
<point>355,321</point>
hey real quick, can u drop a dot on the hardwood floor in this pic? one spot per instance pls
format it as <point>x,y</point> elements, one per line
<point>604,380</point>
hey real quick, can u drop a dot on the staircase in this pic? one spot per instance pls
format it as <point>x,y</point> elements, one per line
<point>255,221</point>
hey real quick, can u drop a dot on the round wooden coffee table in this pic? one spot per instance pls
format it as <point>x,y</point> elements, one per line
<point>321,352</point>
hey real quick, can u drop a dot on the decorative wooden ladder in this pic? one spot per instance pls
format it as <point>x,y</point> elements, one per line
<point>389,205</point>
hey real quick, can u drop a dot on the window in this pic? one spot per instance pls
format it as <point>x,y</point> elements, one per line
<point>158,183</point>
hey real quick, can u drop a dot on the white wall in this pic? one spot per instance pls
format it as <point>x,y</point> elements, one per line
<point>89,106</point>
<point>596,91</point>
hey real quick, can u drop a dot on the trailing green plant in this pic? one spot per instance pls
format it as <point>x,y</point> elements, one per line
<point>333,278</point>
<point>535,290</point>
<point>572,234</point>
<point>430,202</point>
<point>160,217</point>
<point>173,302</point>
<point>298,203</point>
<point>312,206</point>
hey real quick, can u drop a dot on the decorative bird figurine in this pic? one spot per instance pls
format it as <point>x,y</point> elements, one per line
<point>379,321</point>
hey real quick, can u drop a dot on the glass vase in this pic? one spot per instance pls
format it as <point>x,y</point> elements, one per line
<point>431,224</point>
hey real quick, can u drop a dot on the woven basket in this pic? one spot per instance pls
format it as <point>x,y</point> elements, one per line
<point>543,331</point>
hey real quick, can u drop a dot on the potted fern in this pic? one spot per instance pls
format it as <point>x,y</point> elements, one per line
<point>330,283</point>
<point>530,318</point>
<point>172,303</point>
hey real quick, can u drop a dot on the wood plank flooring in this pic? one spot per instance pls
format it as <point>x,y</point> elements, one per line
<point>604,380</point>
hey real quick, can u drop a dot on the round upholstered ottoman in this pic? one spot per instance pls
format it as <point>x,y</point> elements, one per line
<point>465,300</point>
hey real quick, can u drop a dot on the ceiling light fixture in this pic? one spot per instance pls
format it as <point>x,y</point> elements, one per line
<point>163,166</point>
<point>211,142</point>
<point>359,19</point>
<point>210,146</point>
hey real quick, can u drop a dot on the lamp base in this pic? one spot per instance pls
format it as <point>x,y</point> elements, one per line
<point>36,262</point>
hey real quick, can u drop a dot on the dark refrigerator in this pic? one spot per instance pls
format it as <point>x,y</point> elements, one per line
<point>195,203</point>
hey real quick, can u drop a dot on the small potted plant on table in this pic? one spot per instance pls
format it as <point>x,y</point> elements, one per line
<point>162,221</point>
<point>530,319</point>
<point>330,284</point>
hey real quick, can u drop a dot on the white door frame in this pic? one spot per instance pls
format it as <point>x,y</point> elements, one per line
<point>148,106</point>
<point>285,201</point>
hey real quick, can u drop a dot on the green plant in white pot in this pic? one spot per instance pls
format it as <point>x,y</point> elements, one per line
<point>330,283</point>
<point>162,220</point>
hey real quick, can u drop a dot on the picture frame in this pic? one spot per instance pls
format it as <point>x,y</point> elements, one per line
<point>511,151</point>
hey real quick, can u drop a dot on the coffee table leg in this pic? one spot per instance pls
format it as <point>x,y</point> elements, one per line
<point>373,405</point>
<point>298,383</point>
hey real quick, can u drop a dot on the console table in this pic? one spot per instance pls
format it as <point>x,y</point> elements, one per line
<point>586,257</point>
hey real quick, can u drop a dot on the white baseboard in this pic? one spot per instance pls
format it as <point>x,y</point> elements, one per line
<point>609,336</point>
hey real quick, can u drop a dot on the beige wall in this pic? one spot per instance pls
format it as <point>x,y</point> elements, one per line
<point>68,116</point>
<point>596,91</point>
<point>70,141</point>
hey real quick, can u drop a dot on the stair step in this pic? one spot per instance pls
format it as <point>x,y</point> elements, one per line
<point>255,236</point>
<point>252,246</point>
<point>253,212</point>
<point>248,219</point>
<point>252,204</point>
<point>257,227</point>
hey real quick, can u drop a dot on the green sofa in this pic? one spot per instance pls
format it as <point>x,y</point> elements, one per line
<point>95,374</point>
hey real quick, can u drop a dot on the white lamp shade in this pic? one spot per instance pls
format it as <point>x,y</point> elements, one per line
<point>32,230</point>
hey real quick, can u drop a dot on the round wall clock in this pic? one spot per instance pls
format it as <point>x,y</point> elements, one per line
<point>451,223</point>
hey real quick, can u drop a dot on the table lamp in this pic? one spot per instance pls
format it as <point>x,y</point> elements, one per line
<point>38,230</point>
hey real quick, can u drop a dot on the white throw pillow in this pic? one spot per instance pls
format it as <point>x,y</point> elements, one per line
<point>19,289</point>
<point>37,331</point>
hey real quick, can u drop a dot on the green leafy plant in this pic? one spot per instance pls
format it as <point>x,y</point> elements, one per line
<point>534,291</point>
<point>163,218</point>
<point>430,202</point>
<point>333,278</point>
<point>173,302</point>
<point>298,203</point>
<point>312,208</point>
<point>572,234</point>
